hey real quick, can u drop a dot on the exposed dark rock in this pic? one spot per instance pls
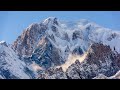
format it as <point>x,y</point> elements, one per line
<point>26,43</point>
<point>47,54</point>
<point>77,51</point>
<point>101,60</point>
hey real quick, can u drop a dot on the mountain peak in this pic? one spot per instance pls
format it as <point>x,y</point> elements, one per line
<point>3,43</point>
<point>51,20</point>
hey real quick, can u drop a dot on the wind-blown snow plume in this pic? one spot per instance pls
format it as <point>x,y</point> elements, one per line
<point>71,59</point>
<point>36,67</point>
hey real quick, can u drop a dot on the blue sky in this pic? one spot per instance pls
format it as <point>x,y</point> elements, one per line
<point>12,23</point>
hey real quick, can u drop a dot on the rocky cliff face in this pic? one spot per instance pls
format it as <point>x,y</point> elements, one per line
<point>99,63</point>
<point>100,60</point>
<point>46,54</point>
<point>28,41</point>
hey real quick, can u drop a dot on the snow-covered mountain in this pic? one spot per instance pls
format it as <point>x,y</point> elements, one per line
<point>55,46</point>
<point>102,76</point>
<point>10,66</point>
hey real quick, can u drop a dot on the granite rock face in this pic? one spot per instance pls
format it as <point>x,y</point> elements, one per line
<point>102,60</point>
<point>100,63</point>
<point>46,54</point>
<point>26,43</point>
